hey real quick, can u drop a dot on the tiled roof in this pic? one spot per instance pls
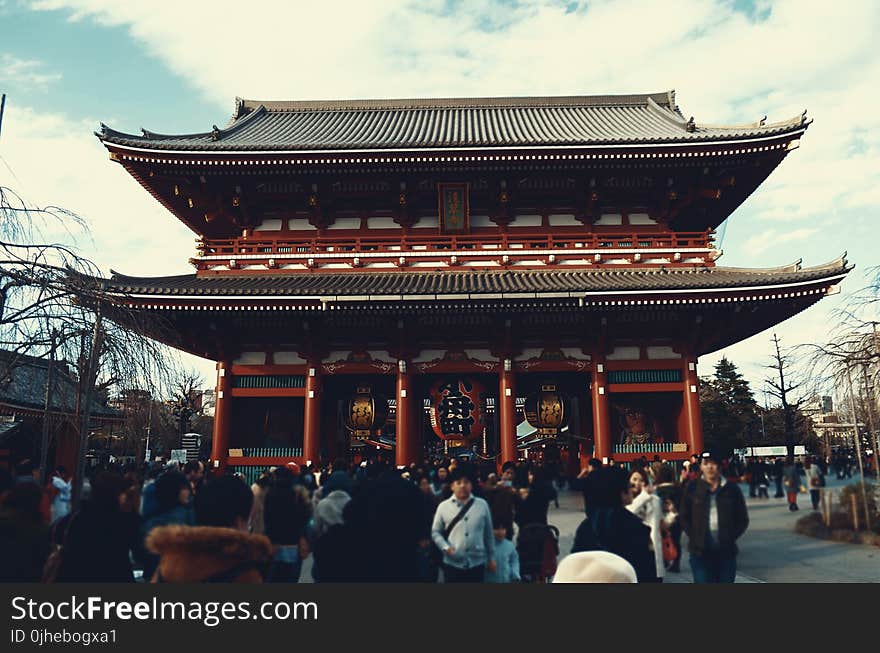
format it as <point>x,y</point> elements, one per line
<point>26,387</point>
<point>451,123</point>
<point>471,282</point>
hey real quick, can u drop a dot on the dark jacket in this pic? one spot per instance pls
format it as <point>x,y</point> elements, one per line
<point>98,541</point>
<point>533,509</point>
<point>338,480</point>
<point>586,485</point>
<point>378,541</point>
<point>733,518</point>
<point>24,547</point>
<point>618,531</point>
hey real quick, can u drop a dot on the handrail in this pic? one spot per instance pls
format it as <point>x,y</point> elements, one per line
<point>450,243</point>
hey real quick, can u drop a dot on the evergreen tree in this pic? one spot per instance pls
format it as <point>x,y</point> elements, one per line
<point>729,410</point>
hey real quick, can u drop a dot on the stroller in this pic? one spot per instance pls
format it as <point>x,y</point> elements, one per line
<point>538,547</point>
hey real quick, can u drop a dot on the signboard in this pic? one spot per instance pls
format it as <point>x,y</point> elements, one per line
<point>779,451</point>
<point>178,456</point>
<point>454,208</point>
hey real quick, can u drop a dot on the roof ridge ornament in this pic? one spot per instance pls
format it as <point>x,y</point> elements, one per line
<point>690,125</point>
<point>216,133</point>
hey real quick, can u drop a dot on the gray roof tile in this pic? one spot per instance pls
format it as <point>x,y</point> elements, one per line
<point>451,123</point>
<point>438,283</point>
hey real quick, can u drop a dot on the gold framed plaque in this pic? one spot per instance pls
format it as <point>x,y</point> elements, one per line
<point>454,207</point>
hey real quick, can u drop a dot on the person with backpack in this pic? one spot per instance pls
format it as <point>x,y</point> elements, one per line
<point>609,526</point>
<point>462,530</point>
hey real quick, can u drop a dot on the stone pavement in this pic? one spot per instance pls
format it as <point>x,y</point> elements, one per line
<point>770,550</point>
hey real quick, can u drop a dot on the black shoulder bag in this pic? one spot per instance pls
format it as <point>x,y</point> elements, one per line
<point>457,518</point>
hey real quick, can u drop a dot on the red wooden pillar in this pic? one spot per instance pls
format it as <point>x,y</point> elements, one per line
<point>312,415</point>
<point>222,415</point>
<point>581,457</point>
<point>507,412</point>
<point>407,420</point>
<point>692,405</point>
<point>601,424</point>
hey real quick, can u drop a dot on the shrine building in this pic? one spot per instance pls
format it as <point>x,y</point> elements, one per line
<point>493,277</point>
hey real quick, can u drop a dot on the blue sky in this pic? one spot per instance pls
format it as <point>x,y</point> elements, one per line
<point>67,65</point>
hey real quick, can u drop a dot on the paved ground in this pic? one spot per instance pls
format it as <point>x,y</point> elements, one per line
<point>770,551</point>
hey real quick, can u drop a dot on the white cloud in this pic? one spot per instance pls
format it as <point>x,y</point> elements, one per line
<point>14,70</point>
<point>761,242</point>
<point>726,67</point>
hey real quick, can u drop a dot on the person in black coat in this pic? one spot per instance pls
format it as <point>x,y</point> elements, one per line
<point>778,468</point>
<point>584,482</point>
<point>378,541</point>
<point>98,538</point>
<point>713,514</point>
<point>533,501</point>
<point>609,526</point>
<point>24,537</point>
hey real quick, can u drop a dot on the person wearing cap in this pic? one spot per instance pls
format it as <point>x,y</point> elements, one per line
<point>714,516</point>
<point>462,530</point>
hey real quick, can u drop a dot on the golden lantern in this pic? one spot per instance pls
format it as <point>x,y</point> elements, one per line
<point>365,413</point>
<point>547,410</point>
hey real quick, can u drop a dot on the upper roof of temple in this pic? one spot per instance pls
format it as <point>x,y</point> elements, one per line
<point>451,123</point>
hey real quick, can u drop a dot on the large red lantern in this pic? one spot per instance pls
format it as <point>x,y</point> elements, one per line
<point>365,414</point>
<point>547,410</point>
<point>458,410</point>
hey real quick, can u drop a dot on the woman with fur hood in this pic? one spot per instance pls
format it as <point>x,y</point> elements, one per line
<point>219,548</point>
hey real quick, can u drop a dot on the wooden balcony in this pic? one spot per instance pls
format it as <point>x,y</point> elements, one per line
<point>289,247</point>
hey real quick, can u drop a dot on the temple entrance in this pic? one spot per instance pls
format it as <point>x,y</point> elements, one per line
<point>575,434</point>
<point>357,412</point>
<point>461,405</point>
<point>267,426</point>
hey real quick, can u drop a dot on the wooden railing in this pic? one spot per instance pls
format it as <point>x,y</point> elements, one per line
<point>290,247</point>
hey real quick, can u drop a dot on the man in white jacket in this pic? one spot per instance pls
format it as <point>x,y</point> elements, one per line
<point>462,530</point>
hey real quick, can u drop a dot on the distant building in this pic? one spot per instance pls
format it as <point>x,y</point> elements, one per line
<point>829,426</point>
<point>22,405</point>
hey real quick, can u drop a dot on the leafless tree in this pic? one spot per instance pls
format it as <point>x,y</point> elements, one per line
<point>850,359</point>
<point>786,385</point>
<point>53,302</point>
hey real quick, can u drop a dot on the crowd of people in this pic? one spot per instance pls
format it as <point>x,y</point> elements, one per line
<point>372,522</point>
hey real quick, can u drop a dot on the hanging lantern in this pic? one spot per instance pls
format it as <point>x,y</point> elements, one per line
<point>365,414</point>
<point>547,411</point>
<point>458,411</point>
